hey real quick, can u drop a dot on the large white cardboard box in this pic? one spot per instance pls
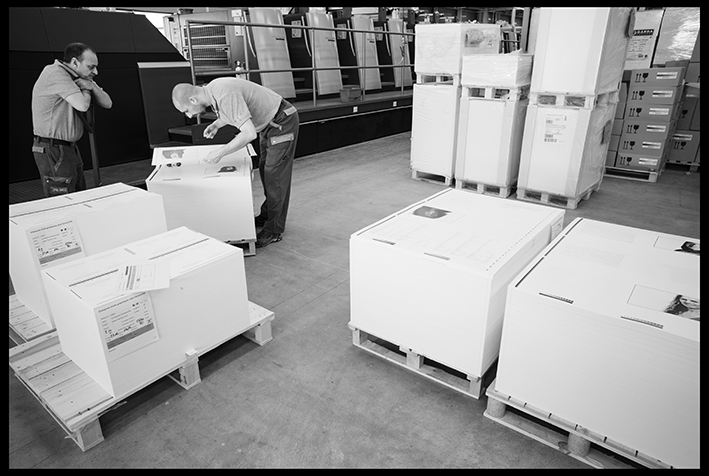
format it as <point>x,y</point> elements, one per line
<point>434,128</point>
<point>602,330</point>
<point>489,140</point>
<point>433,276</point>
<point>126,340</point>
<point>440,47</point>
<point>581,50</point>
<point>63,228</point>
<point>564,149</point>
<point>214,199</point>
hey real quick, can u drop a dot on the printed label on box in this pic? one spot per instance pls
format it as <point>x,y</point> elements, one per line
<point>666,75</point>
<point>659,111</point>
<point>127,324</point>
<point>56,242</point>
<point>554,128</point>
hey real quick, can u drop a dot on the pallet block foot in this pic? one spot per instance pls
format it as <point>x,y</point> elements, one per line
<point>261,333</point>
<point>89,435</point>
<point>189,372</point>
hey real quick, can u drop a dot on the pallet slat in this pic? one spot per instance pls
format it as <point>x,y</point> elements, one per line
<point>548,198</point>
<point>502,191</point>
<point>472,386</point>
<point>75,400</point>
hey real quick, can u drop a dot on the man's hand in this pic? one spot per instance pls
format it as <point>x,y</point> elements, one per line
<point>213,157</point>
<point>211,130</point>
<point>84,84</point>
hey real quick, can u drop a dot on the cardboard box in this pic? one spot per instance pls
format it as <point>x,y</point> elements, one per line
<point>641,47</point>
<point>622,99</point>
<point>610,158</point>
<point>564,149</point>
<point>651,112</point>
<point>590,328</point>
<point>56,230</point>
<point>664,77</point>
<point>640,161</point>
<point>580,50</point>
<point>214,199</point>
<point>499,70</point>
<point>630,144</point>
<point>490,140</point>
<point>686,112</point>
<point>431,279</point>
<point>125,341</point>
<point>695,52</point>
<point>693,73</point>
<point>434,128</point>
<point>617,126</point>
<point>684,147</point>
<point>440,47</point>
<point>695,119</point>
<point>641,129</point>
<point>614,143</point>
<point>655,94</point>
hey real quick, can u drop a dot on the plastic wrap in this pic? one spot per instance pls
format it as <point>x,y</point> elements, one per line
<point>678,34</point>
<point>434,128</point>
<point>580,50</point>
<point>563,149</point>
<point>489,140</point>
<point>501,70</point>
<point>440,47</point>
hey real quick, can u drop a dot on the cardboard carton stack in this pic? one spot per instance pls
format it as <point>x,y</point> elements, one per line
<point>431,279</point>
<point>187,294</point>
<point>214,199</point>
<point>592,325</point>
<point>493,107</point>
<point>61,229</point>
<point>578,66</point>
<point>651,111</point>
<point>440,49</point>
<point>685,145</point>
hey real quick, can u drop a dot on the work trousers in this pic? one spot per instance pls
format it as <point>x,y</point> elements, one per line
<point>277,144</point>
<point>61,168</point>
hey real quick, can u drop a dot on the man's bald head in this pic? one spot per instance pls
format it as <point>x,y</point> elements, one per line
<point>182,92</point>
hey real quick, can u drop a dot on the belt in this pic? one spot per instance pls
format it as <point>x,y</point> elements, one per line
<point>53,142</point>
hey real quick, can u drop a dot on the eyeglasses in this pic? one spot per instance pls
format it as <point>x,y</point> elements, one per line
<point>176,164</point>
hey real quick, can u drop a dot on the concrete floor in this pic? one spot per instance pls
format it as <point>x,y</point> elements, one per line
<point>309,398</point>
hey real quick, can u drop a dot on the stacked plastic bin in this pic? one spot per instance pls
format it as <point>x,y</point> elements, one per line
<point>493,105</point>
<point>440,48</point>
<point>578,65</point>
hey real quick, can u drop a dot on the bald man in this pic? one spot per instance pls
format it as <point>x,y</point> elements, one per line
<point>255,111</point>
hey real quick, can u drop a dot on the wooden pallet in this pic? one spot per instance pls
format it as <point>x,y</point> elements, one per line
<point>470,385</point>
<point>548,198</point>
<point>76,401</point>
<point>580,443</point>
<point>25,325</point>
<point>433,178</point>
<point>502,93</point>
<point>502,191</point>
<point>438,78</point>
<point>689,167</point>
<point>633,174</point>
<point>582,101</point>
<point>248,246</point>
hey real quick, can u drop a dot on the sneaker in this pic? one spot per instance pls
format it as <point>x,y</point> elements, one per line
<point>260,220</point>
<point>265,238</point>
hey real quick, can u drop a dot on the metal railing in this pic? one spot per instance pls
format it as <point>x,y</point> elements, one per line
<point>314,68</point>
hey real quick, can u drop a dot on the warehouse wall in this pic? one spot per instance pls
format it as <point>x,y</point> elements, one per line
<point>39,35</point>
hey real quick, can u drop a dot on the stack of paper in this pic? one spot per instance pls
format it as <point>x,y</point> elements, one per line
<point>434,128</point>
<point>602,330</point>
<point>131,315</point>
<point>440,47</point>
<point>55,230</point>
<point>214,199</point>
<point>581,50</point>
<point>433,277</point>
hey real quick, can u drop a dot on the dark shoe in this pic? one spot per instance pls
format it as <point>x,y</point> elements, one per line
<point>260,220</point>
<point>265,238</point>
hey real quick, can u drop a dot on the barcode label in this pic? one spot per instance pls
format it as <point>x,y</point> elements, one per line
<point>549,138</point>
